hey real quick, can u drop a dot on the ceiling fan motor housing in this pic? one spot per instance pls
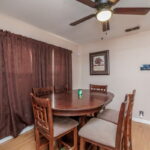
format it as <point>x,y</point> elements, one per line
<point>103,4</point>
<point>102,1</point>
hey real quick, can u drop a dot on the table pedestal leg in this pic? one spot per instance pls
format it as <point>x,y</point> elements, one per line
<point>82,121</point>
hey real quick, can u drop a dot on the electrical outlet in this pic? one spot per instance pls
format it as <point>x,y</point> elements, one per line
<point>141,114</point>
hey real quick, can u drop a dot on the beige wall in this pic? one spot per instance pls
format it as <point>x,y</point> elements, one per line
<point>127,54</point>
<point>19,27</point>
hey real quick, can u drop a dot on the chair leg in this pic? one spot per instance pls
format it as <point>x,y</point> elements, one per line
<point>130,136</point>
<point>37,137</point>
<point>123,143</point>
<point>51,145</point>
<point>130,144</point>
<point>82,144</point>
<point>75,138</point>
<point>59,145</point>
<point>35,133</point>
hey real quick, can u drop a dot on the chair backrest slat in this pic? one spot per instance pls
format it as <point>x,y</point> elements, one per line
<point>98,88</point>
<point>121,124</point>
<point>130,105</point>
<point>128,120</point>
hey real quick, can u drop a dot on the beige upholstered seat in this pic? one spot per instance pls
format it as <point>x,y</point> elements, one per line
<point>99,131</point>
<point>109,115</point>
<point>63,124</point>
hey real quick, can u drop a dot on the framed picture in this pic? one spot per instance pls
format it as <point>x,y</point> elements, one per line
<point>99,63</point>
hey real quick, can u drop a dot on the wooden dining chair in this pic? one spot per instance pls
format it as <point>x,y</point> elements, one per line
<point>39,92</point>
<point>42,91</point>
<point>104,134</point>
<point>112,116</point>
<point>52,129</point>
<point>61,89</point>
<point>98,88</point>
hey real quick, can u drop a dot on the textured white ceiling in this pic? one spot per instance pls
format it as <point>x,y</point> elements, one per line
<point>55,16</point>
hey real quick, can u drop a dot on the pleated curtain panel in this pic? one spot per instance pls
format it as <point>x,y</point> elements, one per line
<point>63,68</point>
<point>26,63</point>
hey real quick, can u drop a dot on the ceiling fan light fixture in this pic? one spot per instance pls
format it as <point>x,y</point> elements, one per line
<point>104,15</point>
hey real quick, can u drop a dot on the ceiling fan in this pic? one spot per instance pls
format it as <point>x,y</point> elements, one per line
<point>104,11</point>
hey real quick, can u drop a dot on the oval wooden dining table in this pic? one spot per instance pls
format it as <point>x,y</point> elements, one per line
<point>70,104</point>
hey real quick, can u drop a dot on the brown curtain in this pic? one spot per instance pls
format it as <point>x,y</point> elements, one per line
<point>62,68</point>
<point>24,63</point>
<point>42,65</point>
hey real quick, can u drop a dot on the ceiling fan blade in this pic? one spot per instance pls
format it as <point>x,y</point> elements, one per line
<point>132,11</point>
<point>106,26</point>
<point>88,3</point>
<point>82,20</point>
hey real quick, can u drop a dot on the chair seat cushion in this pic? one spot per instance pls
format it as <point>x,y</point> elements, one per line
<point>109,115</point>
<point>99,131</point>
<point>63,124</point>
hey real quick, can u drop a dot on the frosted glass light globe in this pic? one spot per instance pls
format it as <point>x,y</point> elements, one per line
<point>104,15</point>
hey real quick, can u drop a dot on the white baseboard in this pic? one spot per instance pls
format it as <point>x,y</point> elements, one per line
<point>10,137</point>
<point>141,120</point>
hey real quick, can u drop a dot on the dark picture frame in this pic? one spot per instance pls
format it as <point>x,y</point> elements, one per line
<point>99,63</point>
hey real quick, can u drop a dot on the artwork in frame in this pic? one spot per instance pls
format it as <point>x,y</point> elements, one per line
<point>99,63</point>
